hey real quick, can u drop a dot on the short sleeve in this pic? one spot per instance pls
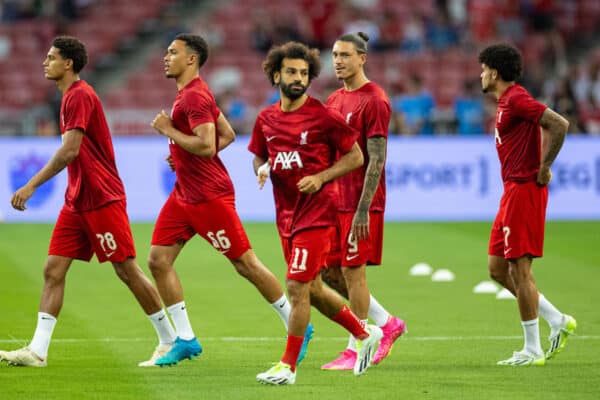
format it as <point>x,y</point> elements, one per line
<point>199,110</point>
<point>77,111</point>
<point>258,144</point>
<point>527,108</point>
<point>377,114</point>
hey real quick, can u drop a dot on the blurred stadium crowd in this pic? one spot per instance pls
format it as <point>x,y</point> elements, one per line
<point>423,53</point>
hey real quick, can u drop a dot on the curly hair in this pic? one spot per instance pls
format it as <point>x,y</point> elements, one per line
<point>71,48</point>
<point>291,50</point>
<point>359,40</point>
<point>197,44</point>
<point>503,58</point>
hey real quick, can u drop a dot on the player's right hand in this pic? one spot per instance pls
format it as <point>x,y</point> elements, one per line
<point>262,174</point>
<point>161,122</point>
<point>21,196</point>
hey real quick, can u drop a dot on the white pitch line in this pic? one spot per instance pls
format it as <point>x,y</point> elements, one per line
<point>282,339</point>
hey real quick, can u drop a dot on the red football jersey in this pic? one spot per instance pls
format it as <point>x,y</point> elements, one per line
<point>518,134</point>
<point>368,110</point>
<point>198,179</point>
<point>298,144</point>
<point>93,177</point>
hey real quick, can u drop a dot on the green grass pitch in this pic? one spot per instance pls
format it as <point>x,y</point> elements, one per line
<point>455,337</point>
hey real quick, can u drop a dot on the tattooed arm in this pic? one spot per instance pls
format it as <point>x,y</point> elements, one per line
<point>376,150</point>
<point>554,130</point>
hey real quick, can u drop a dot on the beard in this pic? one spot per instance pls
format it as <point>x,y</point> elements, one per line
<point>292,93</point>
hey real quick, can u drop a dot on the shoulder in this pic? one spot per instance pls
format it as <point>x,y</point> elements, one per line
<point>376,95</point>
<point>335,95</point>
<point>82,93</point>
<point>517,93</point>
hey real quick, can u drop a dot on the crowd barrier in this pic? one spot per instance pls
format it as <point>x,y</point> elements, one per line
<point>428,179</point>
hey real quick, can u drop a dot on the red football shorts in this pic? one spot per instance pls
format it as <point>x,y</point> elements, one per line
<point>104,231</point>
<point>306,253</point>
<point>347,252</point>
<point>519,226</point>
<point>216,221</point>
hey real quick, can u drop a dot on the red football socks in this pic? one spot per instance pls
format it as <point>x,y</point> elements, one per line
<point>292,349</point>
<point>348,320</point>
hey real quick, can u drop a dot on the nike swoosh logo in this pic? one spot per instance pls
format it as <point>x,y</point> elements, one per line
<point>283,305</point>
<point>507,250</point>
<point>271,138</point>
<point>110,254</point>
<point>223,251</point>
<point>161,318</point>
<point>350,258</point>
<point>46,318</point>
<point>295,271</point>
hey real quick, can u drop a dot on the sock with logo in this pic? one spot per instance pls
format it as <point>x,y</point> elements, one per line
<point>377,313</point>
<point>162,326</point>
<point>43,333</point>
<point>348,320</point>
<point>181,321</point>
<point>283,309</point>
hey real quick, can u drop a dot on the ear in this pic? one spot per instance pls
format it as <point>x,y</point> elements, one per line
<point>193,59</point>
<point>68,64</point>
<point>276,77</point>
<point>363,57</point>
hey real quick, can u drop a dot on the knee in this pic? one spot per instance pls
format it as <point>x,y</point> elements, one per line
<point>244,268</point>
<point>122,272</point>
<point>53,275</point>
<point>496,274</point>
<point>157,264</point>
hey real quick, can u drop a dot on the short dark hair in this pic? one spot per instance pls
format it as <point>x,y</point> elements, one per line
<point>505,59</point>
<point>71,48</point>
<point>359,40</point>
<point>197,44</point>
<point>291,50</point>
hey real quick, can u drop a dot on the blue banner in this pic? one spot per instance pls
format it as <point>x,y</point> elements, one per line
<point>430,179</point>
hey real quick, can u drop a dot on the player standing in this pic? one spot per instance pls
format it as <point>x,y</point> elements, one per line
<point>296,141</point>
<point>202,201</point>
<point>528,138</point>
<point>93,218</point>
<point>362,196</point>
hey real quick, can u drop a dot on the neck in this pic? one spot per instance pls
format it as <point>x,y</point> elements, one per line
<point>288,105</point>
<point>66,81</point>
<point>186,77</point>
<point>501,87</point>
<point>356,81</point>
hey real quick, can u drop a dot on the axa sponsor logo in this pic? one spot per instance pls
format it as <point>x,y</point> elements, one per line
<point>287,160</point>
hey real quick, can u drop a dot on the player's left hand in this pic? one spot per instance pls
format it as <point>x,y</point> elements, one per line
<point>161,122</point>
<point>544,176</point>
<point>21,196</point>
<point>360,226</point>
<point>310,184</point>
